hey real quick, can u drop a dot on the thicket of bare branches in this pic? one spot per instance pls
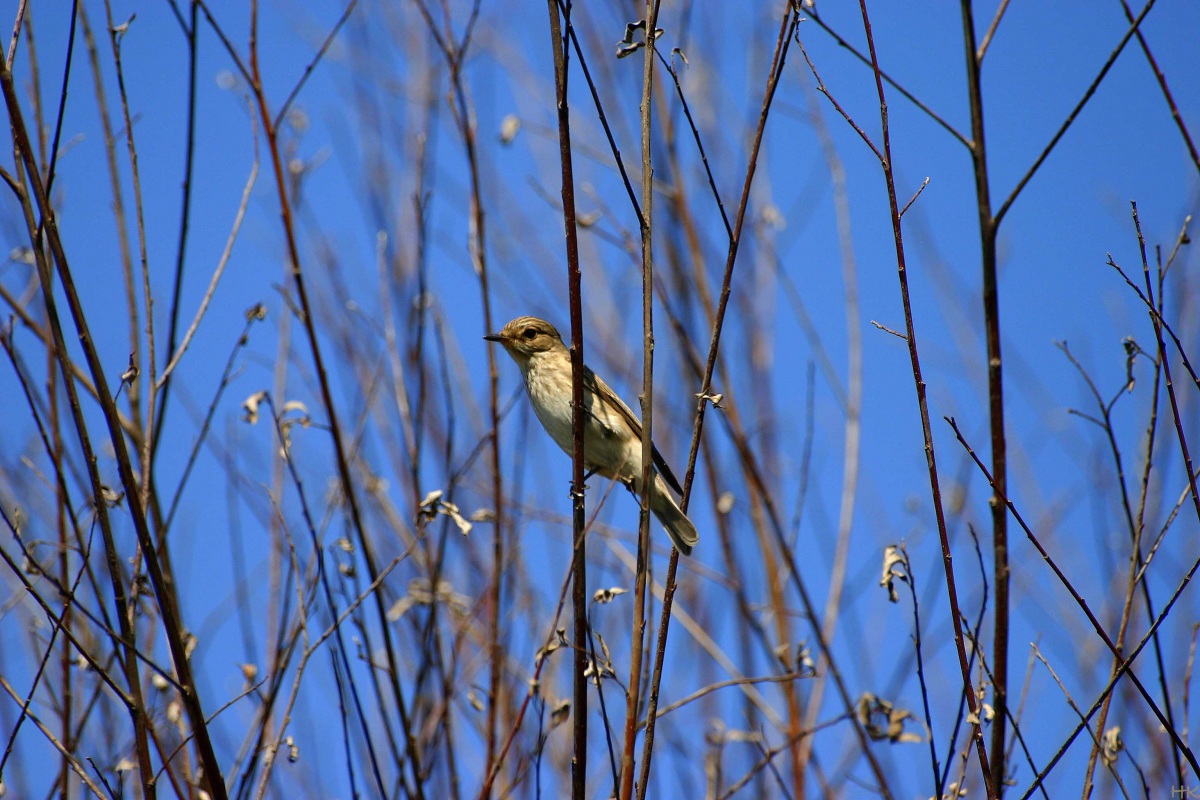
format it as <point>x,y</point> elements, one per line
<point>277,522</point>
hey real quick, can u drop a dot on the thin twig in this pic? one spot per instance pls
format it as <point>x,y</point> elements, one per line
<point>912,98</point>
<point>222,262</point>
<point>641,576</point>
<point>1166,90</point>
<point>991,31</point>
<point>312,64</point>
<point>1083,101</point>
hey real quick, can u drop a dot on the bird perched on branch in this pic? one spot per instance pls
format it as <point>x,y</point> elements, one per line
<point>612,434</point>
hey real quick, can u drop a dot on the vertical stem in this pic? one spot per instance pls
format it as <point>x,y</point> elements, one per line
<point>638,636</point>
<point>185,215</point>
<point>147,297</point>
<point>991,315</point>
<point>64,576</point>
<point>574,288</point>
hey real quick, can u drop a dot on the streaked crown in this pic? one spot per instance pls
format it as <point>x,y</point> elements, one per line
<point>528,335</point>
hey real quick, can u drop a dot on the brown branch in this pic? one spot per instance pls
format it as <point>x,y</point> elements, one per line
<point>638,632</point>
<point>1166,90</point>
<point>995,372</point>
<point>579,598</point>
<point>1083,101</point>
<point>933,115</point>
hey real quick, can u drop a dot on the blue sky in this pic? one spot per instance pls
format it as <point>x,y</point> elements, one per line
<point>1054,287</point>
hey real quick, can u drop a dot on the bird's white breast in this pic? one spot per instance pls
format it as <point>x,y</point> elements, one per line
<point>608,442</point>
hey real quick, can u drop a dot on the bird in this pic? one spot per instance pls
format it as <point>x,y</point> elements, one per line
<point>612,433</point>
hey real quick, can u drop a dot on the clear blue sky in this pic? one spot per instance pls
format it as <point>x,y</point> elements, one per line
<point>1054,287</point>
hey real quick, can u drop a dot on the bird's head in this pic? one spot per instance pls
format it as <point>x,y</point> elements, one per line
<point>525,337</point>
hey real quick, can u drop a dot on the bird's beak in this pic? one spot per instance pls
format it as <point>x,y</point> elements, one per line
<point>494,337</point>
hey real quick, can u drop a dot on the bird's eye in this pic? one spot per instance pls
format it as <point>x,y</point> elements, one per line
<point>529,333</point>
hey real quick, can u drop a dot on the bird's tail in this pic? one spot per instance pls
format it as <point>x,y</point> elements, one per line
<point>681,530</point>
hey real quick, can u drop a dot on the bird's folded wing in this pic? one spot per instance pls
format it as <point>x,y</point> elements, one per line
<point>608,400</point>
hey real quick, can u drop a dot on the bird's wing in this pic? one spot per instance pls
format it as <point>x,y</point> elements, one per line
<point>609,399</point>
<point>665,471</point>
<point>607,402</point>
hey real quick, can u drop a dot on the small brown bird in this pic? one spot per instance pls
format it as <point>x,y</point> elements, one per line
<point>612,434</point>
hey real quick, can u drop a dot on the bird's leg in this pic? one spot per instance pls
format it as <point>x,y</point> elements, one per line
<point>586,475</point>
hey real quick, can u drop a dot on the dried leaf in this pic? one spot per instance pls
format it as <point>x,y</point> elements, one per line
<point>804,659</point>
<point>295,405</point>
<point>421,594</point>
<point>603,596</point>
<point>433,504</point>
<point>895,567</point>
<point>400,608</point>
<point>131,372</point>
<point>112,498</point>
<point>882,720</point>
<point>293,413</point>
<point>783,652</point>
<point>627,46</point>
<point>953,790</point>
<point>375,485</point>
<point>743,736</point>
<point>509,127</point>
<point>251,406</point>
<point>773,217</point>
<point>451,510</point>
<point>542,652</point>
<point>560,713</point>
<point>607,666</point>
<point>1111,745</point>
